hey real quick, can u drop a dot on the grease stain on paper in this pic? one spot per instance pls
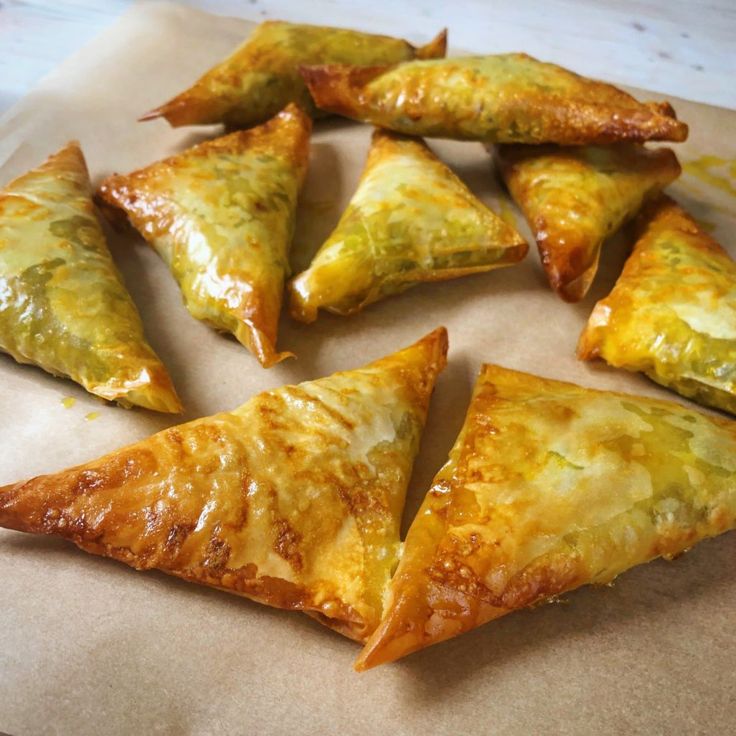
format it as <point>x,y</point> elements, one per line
<point>715,171</point>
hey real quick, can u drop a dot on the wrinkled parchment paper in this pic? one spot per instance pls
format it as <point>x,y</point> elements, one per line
<point>88,646</point>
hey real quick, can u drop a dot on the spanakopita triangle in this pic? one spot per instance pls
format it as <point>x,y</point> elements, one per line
<point>672,313</point>
<point>294,499</point>
<point>575,197</point>
<point>262,75</point>
<point>63,304</point>
<point>551,486</point>
<point>502,98</point>
<point>221,214</point>
<point>411,220</point>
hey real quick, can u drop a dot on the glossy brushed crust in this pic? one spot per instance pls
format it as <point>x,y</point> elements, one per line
<point>294,499</point>
<point>575,197</point>
<point>63,305</point>
<point>221,214</point>
<point>506,98</point>
<point>672,313</point>
<point>551,486</point>
<point>410,220</point>
<point>262,75</point>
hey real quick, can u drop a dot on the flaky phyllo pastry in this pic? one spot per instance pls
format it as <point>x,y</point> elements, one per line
<point>551,486</point>
<point>410,220</point>
<point>63,305</point>
<point>262,75</point>
<point>575,197</point>
<point>294,499</point>
<point>221,214</point>
<point>507,98</point>
<point>672,313</point>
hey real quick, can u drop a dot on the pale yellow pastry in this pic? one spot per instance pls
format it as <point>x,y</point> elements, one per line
<point>672,313</point>
<point>575,197</point>
<point>294,499</point>
<point>502,98</point>
<point>551,486</point>
<point>221,214</point>
<point>411,220</point>
<point>262,75</point>
<point>63,304</point>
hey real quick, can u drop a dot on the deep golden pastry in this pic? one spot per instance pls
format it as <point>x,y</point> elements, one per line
<point>575,197</point>
<point>294,499</point>
<point>410,220</point>
<point>551,486</point>
<point>507,98</point>
<point>63,305</point>
<point>221,214</point>
<point>262,75</point>
<point>672,313</point>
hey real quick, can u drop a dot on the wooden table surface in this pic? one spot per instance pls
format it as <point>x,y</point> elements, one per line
<point>681,47</point>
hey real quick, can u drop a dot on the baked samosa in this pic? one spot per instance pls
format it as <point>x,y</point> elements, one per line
<point>551,486</point>
<point>294,499</point>
<point>262,75</point>
<point>574,198</point>
<point>221,214</point>
<point>63,305</point>
<point>505,98</point>
<point>672,313</point>
<point>410,220</point>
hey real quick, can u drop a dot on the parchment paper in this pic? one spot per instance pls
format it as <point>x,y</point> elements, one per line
<point>88,646</point>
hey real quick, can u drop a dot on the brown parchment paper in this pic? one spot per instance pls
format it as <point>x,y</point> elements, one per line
<point>88,646</point>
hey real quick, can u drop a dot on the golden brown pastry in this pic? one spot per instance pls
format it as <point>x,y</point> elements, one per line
<point>410,220</point>
<point>507,98</point>
<point>221,214</point>
<point>672,313</point>
<point>551,486</point>
<point>63,305</point>
<point>294,499</point>
<point>262,76</point>
<point>575,197</point>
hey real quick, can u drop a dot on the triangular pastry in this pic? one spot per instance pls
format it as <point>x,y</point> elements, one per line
<point>294,499</point>
<point>506,98</point>
<point>410,220</point>
<point>221,214</point>
<point>551,486</point>
<point>672,313</point>
<point>262,75</point>
<point>63,305</point>
<point>574,198</point>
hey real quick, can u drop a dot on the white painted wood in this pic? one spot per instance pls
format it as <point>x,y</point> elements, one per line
<point>681,47</point>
